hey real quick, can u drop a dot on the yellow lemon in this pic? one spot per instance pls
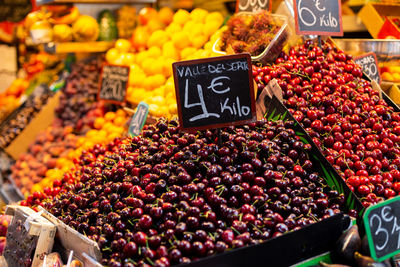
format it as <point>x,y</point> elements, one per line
<point>211,27</point>
<point>181,40</point>
<point>138,79</point>
<point>111,55</point>
<point>154,52</point>
<point>198,41</point>
<point>141,56</point>
<point>167,69</point>
<point>173,28</point>
<point>169,50</point>
<point>181,16</point>
<point>172,108</point>
<point>186,52</point>
<point>122,45</point>
<point>127,58</point>
<point>158,38</point>
<point>216,16</point>
<point>157,80</point>
<point>198,14</point>
<point>189,26</point>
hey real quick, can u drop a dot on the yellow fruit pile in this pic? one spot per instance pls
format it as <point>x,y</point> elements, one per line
<point>11,98</point>
<point>151,78</point>
<point>106,129</point>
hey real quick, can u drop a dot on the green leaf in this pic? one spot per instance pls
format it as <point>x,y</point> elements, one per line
<point>271,115</point>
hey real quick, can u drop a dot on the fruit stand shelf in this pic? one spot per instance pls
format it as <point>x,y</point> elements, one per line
<point>77,47</point>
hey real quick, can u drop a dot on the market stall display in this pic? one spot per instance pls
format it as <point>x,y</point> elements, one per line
<point>207,197</point>
<point>357,130</point>
<point>324,148</point>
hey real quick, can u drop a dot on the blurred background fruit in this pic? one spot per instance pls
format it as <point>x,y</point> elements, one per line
<point>85,29</point>
<point>126,21</point>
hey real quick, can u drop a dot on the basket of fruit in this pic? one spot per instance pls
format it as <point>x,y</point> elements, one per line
<point>262,34</point>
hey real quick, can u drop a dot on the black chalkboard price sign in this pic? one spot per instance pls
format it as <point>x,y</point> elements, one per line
<point>253,5</point>
<point>382,226</point>
<point>319,17</point>
<point>14,10</point>
<point>113,83</point>
<point>214,92</point>
<point>369,65</point>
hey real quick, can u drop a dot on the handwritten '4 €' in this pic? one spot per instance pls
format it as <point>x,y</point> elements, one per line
<point>218,87</point>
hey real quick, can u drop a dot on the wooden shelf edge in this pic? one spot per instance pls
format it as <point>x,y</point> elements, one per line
<point>84,47</point>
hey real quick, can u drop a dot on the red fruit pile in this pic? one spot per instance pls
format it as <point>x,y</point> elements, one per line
<point>169,197</point>
<point>78,107</point>
<point>356,130</point>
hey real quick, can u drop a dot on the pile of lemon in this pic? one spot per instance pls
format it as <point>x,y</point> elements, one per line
<point>188,36</point>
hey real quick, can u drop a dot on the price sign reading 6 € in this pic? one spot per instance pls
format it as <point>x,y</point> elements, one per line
<point>214,92</point>
<point>382,226</point>
<point>319,17</point>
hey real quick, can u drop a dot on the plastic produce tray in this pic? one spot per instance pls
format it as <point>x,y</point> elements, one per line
<point>271,52</point>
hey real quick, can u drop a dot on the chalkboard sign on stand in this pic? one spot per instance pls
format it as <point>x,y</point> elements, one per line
<point>214,92</point>
<point>113,83</point>
<point>382,226</point>
<point>253,5</point>
<point>369,64</point>
<point>318,17</point>
<point>138,119</point>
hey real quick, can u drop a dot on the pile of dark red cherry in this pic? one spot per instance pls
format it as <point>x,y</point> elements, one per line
<point>358,132</point>
<point>169,197</point>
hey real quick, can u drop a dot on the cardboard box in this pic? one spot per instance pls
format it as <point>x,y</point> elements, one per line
<point>373,16</point>
<point>85,249</point>
<point>389,29</point>
<point>28,232</point>
<point>392,90</point>
<point>41,121</point>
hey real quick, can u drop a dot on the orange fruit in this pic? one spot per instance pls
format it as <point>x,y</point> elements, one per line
<point>139,38</point>
<point>168,66</point>
<point>120,113</point>
<point>119,121</point>
<point>154,25</point>
<point>99,122</point>
<point>146,14</point>
<point>165,15</point>
<point>109,116</point>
